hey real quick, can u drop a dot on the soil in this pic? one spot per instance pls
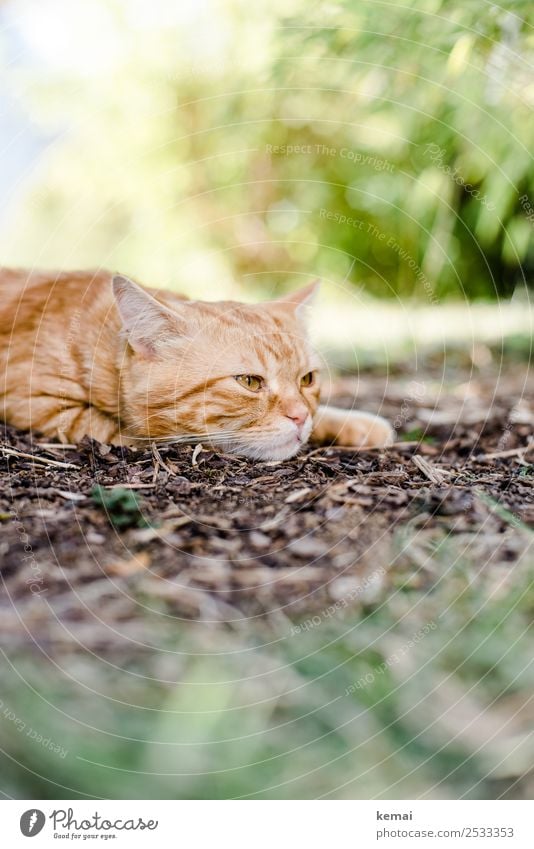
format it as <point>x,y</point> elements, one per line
<point>103,545</point>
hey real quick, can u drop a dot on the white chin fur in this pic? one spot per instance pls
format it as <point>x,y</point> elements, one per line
<point>278,447</point>
<point>268,452</point>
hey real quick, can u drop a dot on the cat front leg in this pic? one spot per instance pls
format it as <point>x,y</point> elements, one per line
<point>68,422</point>
<point>351,428</point>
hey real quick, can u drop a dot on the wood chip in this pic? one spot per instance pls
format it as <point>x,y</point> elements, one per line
<point>196,452</point>
<point>428,470</point>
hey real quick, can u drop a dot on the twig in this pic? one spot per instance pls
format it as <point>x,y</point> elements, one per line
<point>55,446</point>
<point>10,452</point>
<point>160,460</point>
<point>513,452</point>
<point>130,485</point>
<point>71,496</point>
<point>361,448</point>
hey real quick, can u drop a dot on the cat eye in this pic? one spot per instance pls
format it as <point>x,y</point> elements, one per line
<point>308,379</point>
<point>250,381</point>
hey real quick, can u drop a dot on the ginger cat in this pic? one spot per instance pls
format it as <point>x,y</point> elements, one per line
<point>91,353</point>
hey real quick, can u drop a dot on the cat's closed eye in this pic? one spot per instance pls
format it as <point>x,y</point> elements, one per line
<point>250,381</point>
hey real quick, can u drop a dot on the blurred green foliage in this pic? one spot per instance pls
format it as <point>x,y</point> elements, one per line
<point>383,145</point>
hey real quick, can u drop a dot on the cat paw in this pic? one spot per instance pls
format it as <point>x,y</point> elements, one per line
<point>353,429</point>
<point>363,430</point>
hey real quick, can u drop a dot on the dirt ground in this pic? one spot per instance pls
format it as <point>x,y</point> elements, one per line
<point>91,535</point>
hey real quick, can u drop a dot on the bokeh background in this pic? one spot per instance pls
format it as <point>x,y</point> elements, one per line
<point>227,148</point>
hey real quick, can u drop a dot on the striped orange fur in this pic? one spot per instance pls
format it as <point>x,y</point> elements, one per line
<point>91,353</point>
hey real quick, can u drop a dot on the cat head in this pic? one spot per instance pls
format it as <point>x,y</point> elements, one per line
<point>241,377</point>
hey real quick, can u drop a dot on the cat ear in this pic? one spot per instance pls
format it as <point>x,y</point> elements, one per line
<point>145,321</point>
<point>302,298</point>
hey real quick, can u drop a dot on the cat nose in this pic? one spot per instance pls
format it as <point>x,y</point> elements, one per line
<point>298,413</point>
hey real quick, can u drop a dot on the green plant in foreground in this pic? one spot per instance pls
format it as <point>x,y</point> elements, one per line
<point>418,697</point>
<point>417,434</point>
<point>122,506</point>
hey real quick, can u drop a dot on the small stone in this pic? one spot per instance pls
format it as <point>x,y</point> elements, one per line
<point>298,495</point>
<point>308,547</point>
<point>94,539</point>
<point>259,540</point>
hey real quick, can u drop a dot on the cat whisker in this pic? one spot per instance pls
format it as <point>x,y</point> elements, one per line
<point>185,438</point>
<point>218,438</point>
